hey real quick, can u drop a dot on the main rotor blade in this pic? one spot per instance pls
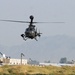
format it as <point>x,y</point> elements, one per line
<point>48,22</point>
<point>29,22</point>
<point>15,21</point>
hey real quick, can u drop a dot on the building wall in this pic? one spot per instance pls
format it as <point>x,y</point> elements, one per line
<point>17,61</point>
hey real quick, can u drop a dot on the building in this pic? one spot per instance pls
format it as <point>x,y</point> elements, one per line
<point>56,64</point>
<point>12,61</point>
<point>18,62</point>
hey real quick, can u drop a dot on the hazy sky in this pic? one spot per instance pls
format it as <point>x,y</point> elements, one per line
<point>42,10</point>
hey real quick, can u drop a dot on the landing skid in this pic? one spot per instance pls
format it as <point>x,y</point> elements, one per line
<point>24,37</point>
<point>35,39</point>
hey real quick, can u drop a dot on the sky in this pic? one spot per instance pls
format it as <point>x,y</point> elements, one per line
<point>43,11</point>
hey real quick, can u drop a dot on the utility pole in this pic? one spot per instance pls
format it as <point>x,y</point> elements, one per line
<point>1,53</point>
<point>0,57</point>
<point>21,57</point>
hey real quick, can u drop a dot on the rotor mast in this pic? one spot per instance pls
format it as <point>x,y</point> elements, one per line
<point>31,22</point>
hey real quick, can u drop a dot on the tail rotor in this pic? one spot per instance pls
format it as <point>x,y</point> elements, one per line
<point>39,34</point>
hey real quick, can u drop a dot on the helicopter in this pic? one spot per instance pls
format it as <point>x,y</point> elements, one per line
<point>31,31</point>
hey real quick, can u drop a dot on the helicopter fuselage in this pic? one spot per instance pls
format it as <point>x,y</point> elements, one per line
<point>30,32</point>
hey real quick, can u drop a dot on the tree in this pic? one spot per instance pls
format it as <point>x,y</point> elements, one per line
<point>63,60</point>
<point>47,61</point>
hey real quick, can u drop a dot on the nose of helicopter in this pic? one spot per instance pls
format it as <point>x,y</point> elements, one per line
<point>31,17</point>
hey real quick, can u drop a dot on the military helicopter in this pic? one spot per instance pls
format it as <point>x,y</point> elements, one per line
<point>31,31</point>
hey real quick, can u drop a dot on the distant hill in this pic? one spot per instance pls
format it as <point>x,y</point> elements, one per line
<point>46,48</point>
